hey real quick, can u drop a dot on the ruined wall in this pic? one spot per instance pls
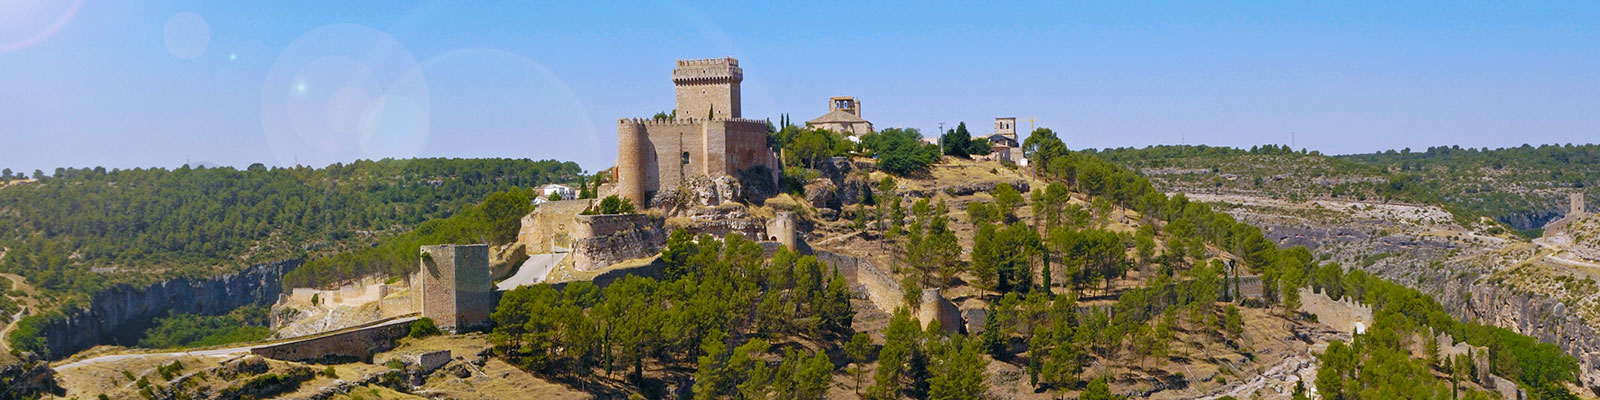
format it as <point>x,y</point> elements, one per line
<point>550,225</point>
<point>865,278</point>
<point>456,286</point>
<point>1344,315</point>
<point>601,240</point>
<point>884,292</point>
<point>1250,287</point>
<point>355,344</point>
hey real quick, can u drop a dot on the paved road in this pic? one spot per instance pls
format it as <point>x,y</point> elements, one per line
<point>533,271</point>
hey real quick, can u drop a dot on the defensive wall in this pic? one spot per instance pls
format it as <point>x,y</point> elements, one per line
<point>550,225</point>
<point>340,346</point>
<point>1344,315</point>
<point>885,293</point>
<point>653,155</point>
<point>601,240</point>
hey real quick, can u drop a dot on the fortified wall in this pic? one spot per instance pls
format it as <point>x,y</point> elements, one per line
<point>1344,315</point>
<point>601,240</point>
<point>354,344</point>
<point>549,227</point>
<point>884,292</point>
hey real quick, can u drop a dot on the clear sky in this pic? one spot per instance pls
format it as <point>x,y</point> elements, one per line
<point>125,84</point>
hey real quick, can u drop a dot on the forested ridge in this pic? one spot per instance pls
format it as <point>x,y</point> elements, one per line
<point>1523,186</point>
<point>80,230</point>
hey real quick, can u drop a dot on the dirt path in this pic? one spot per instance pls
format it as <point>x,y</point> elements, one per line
<point>1285,372</point>
<point>224,352</point>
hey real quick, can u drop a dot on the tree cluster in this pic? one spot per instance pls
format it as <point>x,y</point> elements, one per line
<point>720,306</point>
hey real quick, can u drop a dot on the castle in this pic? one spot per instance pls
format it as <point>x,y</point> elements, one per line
<point>706,138</point>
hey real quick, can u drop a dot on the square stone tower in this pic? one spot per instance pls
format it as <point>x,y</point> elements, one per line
<point>708,88</point>
<point>1577,203</point>
<point>456,286</point>
<point>1006,126</point>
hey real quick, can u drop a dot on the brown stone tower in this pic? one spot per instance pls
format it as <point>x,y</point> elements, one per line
<point>456,286</point>
<point>708,88</point>
<point>1577,203</point>
<point>633,150</point>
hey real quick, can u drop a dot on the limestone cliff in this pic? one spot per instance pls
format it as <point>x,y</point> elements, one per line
<point>119,315</point>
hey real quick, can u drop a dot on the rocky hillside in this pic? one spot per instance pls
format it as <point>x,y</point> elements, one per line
<point>1477,270</point>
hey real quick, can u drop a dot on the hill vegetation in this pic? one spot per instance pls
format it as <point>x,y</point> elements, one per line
<point>722,307</point>
<point>81,230</point>
<point>1522,187</point>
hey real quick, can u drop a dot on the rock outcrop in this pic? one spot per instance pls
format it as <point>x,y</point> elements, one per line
<point>121,314</point>
<point>602,240</point>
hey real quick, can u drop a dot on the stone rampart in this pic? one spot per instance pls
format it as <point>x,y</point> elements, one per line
<point>866,279</point>
<point>601,240</point>
<point>1344,315</point>
<point>550,225</point>
<point>343,346</point>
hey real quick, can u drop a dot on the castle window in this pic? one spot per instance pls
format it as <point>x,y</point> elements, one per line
<point>685,160</point>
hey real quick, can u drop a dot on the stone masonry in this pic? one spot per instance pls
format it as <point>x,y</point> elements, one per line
<point>707,138</point>
<point>456,286</point>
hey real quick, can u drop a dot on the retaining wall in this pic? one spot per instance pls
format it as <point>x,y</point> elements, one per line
<point>355,344</point>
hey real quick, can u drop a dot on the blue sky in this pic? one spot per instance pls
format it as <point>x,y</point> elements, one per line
<point>158,83</point>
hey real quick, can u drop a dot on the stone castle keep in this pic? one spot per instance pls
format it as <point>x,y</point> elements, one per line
<point>707,138</point>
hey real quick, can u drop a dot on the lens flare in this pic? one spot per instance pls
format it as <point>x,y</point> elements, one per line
<point>343,92</point>
<point>22,23</point>
<point>186,35</point>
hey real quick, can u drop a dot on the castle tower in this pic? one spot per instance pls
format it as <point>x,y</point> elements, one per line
<point>1577,203</point>
<point>708,87</point>
<point>633,144</point>
<point>1006,126</point>
<point>783,230</point>
<point>456,286</point>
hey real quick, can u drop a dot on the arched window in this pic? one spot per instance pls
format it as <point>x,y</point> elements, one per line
<point>685,158</point>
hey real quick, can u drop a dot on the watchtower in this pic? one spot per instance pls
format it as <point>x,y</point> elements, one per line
<point>1577,203</point>
<point>708,88</point>
<point>456,286</point>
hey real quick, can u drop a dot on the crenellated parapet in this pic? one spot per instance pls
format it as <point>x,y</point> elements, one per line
<point>711,70</point>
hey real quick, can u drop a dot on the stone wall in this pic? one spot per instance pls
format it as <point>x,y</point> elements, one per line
<point>1345,315</point>
<point>601,240</point>
<point>550,225</point>
<point>866,279</point>
<point>456,287</point>
<point>1250,287</point>
<point>354,344</point>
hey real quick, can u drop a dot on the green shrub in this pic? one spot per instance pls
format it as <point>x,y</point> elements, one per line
<point>422,328</point>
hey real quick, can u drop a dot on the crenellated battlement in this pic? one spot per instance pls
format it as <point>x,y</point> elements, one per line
<point>730,61</point>
<point>684,121</point>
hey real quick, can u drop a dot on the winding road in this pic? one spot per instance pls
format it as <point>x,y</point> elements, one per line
<point>533,271</point>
